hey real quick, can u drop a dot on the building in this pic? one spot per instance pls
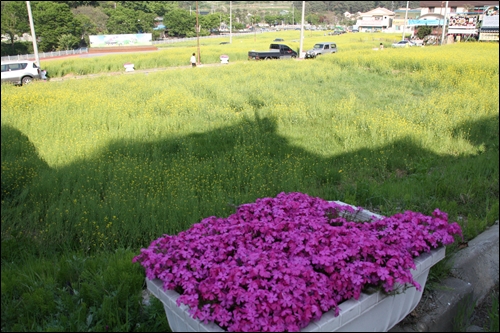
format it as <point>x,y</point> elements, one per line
<point>489,27</point>
<point>402,18</point>
<point>434,20</point>
<point>464,19</point>
<point>428,7</point>
<point>376,20</point>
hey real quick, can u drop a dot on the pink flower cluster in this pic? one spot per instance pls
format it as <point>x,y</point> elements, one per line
<point>281,262</point>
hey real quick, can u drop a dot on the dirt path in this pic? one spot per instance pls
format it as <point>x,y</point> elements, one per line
<point>137,71</point>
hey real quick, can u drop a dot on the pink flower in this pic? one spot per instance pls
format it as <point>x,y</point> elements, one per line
<point>281,262</point>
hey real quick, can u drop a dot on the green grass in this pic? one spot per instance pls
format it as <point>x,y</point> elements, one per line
<point>78,293</point>
<point>94,170</point>
<point>493,313</point>
<point>178,54</point>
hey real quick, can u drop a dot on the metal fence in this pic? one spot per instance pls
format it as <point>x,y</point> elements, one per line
<point>42,55</point>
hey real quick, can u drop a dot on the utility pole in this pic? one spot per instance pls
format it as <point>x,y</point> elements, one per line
<point>441,13</point>
<point>32,26</point>
<point>406,18</point>
<point>197,33</point>
<point>444,22</point>
<point>302,29</point>
<point>230,22</point>
<point>254,30</point>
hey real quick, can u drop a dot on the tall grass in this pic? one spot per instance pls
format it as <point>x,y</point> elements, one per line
<point>493,313</point>
<point>178,54</point>
<point>93,170</point>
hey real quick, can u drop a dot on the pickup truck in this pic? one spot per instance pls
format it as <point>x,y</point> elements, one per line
<point>276,51</point>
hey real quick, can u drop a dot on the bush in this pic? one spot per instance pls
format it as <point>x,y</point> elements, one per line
<point>423,31</point>
<point>17,48</point>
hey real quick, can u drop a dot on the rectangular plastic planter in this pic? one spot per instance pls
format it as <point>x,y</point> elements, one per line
<point>376,312</point>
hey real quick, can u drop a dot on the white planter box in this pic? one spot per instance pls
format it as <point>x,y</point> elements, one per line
<point>376,312</point>
<point>129,67</point>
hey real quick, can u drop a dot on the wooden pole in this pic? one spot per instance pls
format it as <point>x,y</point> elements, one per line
<point>197,35</point>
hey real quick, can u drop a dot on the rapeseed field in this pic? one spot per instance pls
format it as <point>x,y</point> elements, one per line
<point>94,169</point>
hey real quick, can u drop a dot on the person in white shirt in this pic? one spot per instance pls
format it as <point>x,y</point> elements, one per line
<point>193,60</point>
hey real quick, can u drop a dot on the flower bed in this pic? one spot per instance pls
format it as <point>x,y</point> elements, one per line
<point>292,262</point>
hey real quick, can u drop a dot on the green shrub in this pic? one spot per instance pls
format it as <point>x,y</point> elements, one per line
<point>16,49</point>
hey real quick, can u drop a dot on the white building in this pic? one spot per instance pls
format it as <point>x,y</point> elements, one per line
<point>376,20</point>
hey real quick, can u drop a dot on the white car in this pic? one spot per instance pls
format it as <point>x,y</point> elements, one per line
<point>321,48</point>
<point>20,72</point>
<point>403,43</point>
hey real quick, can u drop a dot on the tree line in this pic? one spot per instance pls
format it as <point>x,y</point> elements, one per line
<point>62,25</point>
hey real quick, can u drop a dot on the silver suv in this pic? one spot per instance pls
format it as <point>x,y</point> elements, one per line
<point>20,72</point>
<point>321,48</point>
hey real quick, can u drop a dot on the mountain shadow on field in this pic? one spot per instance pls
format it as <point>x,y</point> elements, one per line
<point>20,164</point>
<point>147,189</point>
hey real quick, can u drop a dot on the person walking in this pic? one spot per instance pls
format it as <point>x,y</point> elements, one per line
<point>193,60</point>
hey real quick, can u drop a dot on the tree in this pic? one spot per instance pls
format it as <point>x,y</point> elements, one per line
<point>15,19</point>
<point>88,28</point>
<point>270,19</point>
<point>179,23</point>
<point>238,26</point>
<point>145,21</point>
<point>159,8</point>
<point>128,21</point>
<point>95,15</point>
<point>75,4</point>
<point>67,42</point>
<point>210,21</point>
<point>423,31</point>
<point>312,18</point>
<point>53,20</point>
<point>239,15</point>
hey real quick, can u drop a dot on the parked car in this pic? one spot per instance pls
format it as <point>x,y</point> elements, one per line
<point>321,48</point>
<point>20,72</point>
<point>278,40</point>
<point>403,43</point>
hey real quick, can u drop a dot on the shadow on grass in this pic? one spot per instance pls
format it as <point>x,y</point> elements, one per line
<point>146,189</point>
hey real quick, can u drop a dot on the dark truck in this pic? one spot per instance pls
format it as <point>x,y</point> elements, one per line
<point>276,51</point>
